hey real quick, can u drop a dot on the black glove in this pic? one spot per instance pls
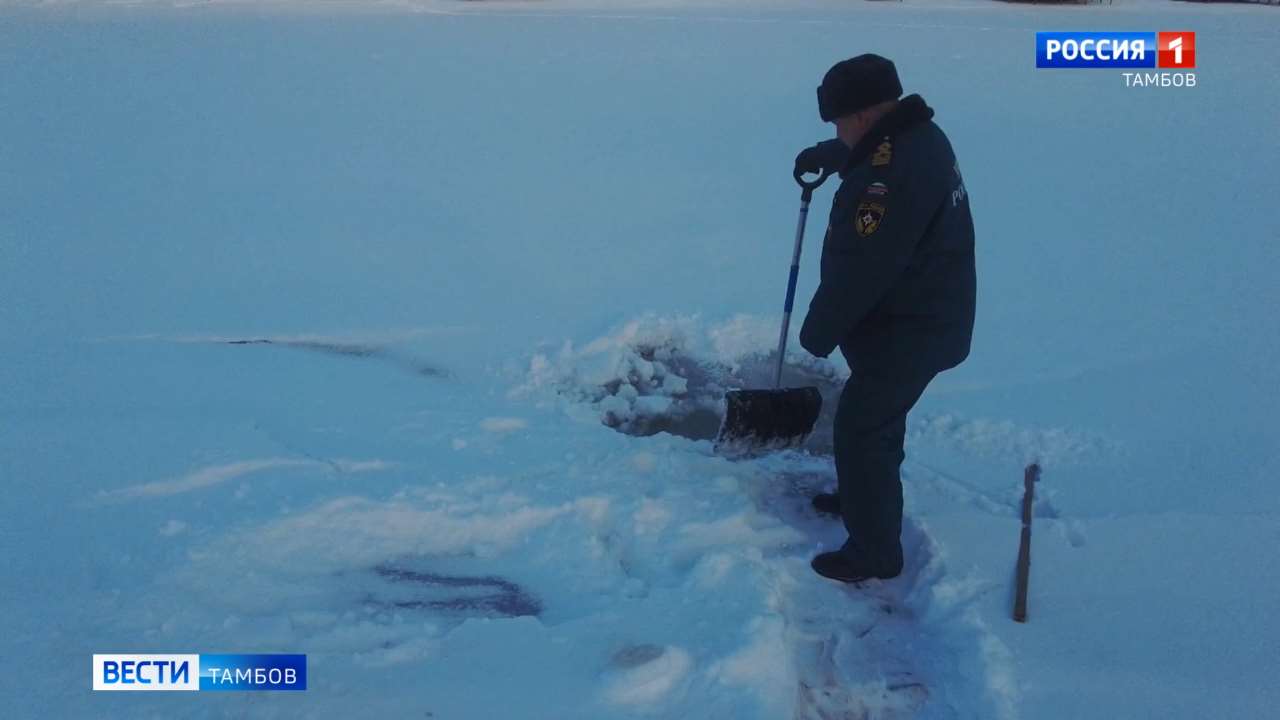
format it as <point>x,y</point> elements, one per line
<point>826,156</point>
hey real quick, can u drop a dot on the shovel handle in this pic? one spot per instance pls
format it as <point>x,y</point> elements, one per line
<point>808,186</point>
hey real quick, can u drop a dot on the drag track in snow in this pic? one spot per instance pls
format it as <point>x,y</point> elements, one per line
<point>878,649</point>
<point>468,594</point>
<point>339,348</point>
<point>851,645</point>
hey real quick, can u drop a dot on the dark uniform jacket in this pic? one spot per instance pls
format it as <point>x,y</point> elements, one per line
<point>898,280</point>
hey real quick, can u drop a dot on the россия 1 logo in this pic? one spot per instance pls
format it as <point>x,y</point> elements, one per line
<point>1111,50</point>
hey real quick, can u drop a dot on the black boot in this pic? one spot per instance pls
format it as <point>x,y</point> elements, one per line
<point>827,504</point>
<point>853,566</point>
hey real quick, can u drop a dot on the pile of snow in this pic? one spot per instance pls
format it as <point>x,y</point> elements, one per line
<point>670,374</point>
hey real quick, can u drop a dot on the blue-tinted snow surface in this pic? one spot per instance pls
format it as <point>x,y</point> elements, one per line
<point>455,224</point>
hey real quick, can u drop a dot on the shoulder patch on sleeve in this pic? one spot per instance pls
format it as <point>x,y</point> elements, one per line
<point>868,217</point>
<point>876,189</point>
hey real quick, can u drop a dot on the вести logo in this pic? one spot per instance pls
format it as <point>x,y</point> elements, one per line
<point>132,672</point>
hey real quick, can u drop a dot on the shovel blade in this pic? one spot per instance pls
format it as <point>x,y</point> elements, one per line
<point>756,420</point>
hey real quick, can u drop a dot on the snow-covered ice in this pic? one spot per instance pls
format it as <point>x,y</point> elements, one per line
<point>396,333</point>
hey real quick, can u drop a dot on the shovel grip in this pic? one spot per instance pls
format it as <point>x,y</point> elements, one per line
<point>808,186</point>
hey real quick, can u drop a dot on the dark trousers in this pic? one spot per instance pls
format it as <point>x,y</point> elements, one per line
<point>870,428</point>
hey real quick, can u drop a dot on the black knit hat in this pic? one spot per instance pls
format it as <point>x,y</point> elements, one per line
<point>857,84</point>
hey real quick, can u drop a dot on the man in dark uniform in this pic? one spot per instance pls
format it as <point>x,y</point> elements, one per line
<point>897,294</point>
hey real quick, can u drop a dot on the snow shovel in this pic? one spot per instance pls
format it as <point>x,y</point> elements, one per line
<point>778,418</point>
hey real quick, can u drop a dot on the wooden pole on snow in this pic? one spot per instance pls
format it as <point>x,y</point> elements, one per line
<point>1029,478</point>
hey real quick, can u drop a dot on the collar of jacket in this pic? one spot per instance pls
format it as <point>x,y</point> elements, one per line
<point>911,110</point>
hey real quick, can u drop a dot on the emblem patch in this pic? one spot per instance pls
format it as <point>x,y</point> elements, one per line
<point>878,189</point>
<point>868,217</point>
<point>883,154</point>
